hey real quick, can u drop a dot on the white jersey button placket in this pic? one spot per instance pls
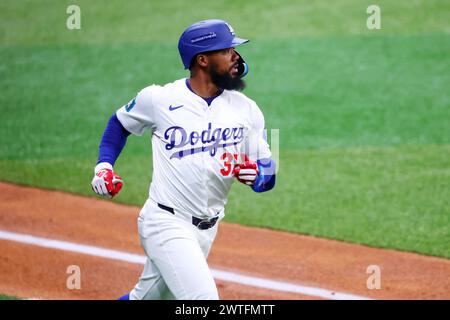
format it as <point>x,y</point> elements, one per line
<point>205,155</point>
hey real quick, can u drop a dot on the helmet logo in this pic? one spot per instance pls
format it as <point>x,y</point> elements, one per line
<point>230,28</point>
<point>204,37</point>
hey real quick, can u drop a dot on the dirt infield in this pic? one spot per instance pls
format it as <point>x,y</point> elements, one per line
<point>31,271</point>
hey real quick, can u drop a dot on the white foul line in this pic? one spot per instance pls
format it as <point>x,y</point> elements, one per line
<point>139,259</point>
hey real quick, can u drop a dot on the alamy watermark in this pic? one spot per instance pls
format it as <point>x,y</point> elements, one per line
<point>73,21</point>
<point>73,281</point>
<point>374,20</point>
<point>275,147</point>
<point>374,280</point>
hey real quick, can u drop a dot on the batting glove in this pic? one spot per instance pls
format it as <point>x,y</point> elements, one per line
<point>246,172</point>
<point>105,182</point>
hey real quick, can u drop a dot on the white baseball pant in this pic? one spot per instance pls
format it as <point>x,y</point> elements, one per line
<point>176,250</point>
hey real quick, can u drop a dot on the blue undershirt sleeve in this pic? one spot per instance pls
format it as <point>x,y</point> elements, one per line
<point>265,180</point>
<point>113,140</point>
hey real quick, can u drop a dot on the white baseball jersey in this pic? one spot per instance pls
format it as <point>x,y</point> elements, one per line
<point>195,146</point>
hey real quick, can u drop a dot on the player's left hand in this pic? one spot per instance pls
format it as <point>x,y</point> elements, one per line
<point>246,172</point>
<point>106,183</point>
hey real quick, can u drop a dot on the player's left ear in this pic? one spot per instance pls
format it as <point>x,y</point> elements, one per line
<point>242,66</point>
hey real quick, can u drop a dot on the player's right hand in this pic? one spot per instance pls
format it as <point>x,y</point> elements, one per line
<point>105,182</point>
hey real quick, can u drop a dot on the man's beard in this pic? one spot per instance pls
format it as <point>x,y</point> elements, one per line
<point>226,81</point>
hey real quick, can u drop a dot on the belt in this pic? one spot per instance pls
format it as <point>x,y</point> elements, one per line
<point>202,224</point>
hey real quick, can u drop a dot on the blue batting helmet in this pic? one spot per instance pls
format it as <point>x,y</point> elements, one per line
<point>208,35</point>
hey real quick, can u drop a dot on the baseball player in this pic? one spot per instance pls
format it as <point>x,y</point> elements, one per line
<point>205,134</point>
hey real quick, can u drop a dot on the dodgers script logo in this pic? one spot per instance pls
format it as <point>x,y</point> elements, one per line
<point>211,140</point>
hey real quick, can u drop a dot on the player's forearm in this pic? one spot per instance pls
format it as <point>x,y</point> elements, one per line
<point>266,177</point>
<point>113,141</point>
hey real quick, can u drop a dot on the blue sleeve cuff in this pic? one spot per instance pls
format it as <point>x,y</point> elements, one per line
<point>113,140</point>
<point>265,180</point>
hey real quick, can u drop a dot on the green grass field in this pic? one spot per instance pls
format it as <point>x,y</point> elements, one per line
<point>364,116</point>
<point>5,297</point>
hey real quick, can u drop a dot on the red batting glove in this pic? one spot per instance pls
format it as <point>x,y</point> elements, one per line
<point>106,183</point>
<point>117,183</point>
<point>246,172</point>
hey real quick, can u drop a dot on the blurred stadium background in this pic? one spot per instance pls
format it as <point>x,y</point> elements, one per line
<point>364,115</point>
